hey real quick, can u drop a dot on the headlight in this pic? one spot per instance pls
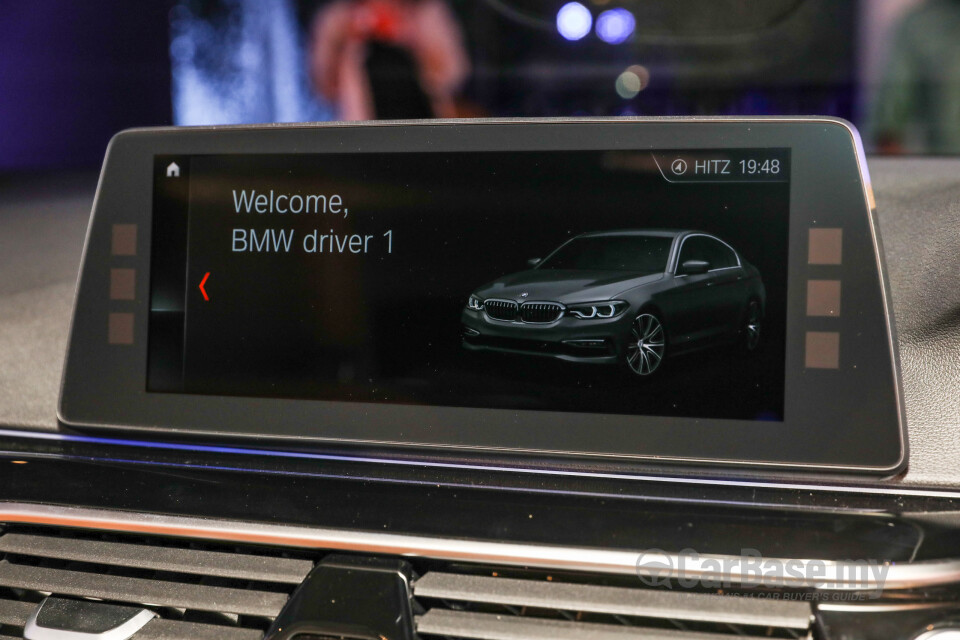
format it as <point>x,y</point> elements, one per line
<point>597,310</point>
<point>475,303</point>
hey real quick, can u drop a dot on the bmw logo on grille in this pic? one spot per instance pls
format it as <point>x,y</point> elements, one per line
<point>524,294</point>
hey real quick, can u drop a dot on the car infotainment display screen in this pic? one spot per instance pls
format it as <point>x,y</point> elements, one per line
<point>620,282</point>
<point>604,294</point>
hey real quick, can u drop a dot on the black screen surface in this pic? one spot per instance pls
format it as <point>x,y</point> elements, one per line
<point>350,277</point>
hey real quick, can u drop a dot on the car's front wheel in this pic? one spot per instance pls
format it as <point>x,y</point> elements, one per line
<point>646,345</point>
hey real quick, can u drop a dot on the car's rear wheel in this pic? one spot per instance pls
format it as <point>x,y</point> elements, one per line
<point>646,345</point>
<point>752,324</point>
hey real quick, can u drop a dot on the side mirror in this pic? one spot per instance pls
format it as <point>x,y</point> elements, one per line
<point>533,262</point>
<point>694,267</point>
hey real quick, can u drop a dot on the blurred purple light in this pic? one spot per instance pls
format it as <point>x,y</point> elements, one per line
<point>574,21</point>
<point>615,25</point>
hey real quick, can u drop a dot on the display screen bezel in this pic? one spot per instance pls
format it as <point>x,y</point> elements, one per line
<point>828,415</point>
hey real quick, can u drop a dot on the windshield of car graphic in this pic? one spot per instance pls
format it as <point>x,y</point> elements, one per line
<point>641,254</point>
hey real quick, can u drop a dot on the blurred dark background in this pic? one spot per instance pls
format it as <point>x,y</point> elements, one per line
<point>72,74</point>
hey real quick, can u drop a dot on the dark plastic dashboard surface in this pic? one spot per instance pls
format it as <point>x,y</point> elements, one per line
<point>828,424</point>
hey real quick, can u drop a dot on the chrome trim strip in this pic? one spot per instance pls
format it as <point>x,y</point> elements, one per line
<point>825,574</point>
<point>33,631</point>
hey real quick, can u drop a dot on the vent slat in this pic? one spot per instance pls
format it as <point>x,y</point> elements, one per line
<point>142,591</point>
<point>15,612</point>
<point>647,603</point>
<point>488,626</point>
<point>177,630</point>
<point>143,556</point>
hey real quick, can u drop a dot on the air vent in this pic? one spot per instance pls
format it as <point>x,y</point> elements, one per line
<point>498,608</point>
<point>217,591</point>
<point>199,591</point>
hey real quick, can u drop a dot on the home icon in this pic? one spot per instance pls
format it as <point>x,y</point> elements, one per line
<point>173,170</point>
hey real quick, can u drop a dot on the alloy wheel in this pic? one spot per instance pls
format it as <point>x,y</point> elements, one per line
<point>646,345</point>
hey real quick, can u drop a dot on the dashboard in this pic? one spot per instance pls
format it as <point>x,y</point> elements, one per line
<point>383,464</point>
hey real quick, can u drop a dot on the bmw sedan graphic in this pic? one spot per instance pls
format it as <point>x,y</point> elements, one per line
<point>631,297</point>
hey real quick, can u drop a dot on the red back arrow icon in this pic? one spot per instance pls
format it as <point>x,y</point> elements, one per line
<point>203,282</point>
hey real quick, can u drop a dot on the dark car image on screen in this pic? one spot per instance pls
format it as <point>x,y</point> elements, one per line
<point>630,297</point>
